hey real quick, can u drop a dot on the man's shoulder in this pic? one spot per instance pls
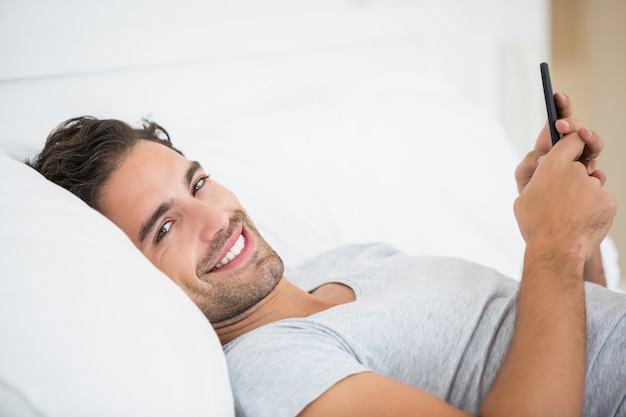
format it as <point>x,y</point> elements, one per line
<point>353,253</point>
<point>344,259</point>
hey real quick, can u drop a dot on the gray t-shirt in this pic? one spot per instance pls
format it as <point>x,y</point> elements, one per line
<point>440,324</point>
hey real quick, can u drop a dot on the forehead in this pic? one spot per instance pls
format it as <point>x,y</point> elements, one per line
<point>150,174</point>
<point>147,164</point>
<point>145,151</point>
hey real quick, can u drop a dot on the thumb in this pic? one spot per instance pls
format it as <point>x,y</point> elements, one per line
<point>570,146</point>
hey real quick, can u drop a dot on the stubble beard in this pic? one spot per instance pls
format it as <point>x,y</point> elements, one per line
<point>231,298</point>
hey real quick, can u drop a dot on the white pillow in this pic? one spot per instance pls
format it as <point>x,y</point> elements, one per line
<point>88,327</point>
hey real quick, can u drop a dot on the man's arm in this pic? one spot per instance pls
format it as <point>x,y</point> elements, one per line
<point>563,215</point>
<point>372,395</point>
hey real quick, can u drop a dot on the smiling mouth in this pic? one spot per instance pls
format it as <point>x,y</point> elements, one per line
<point>233,252</point>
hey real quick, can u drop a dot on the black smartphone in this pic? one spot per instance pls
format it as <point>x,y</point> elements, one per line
<point>550,106</point>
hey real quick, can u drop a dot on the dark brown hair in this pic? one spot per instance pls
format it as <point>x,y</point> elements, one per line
<point>81,153</point>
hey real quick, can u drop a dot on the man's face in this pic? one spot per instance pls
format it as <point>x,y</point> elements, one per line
<point>192,229</point>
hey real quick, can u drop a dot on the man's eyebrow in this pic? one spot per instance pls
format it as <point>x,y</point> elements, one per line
<point>149,224</point>
<point>193,168</point>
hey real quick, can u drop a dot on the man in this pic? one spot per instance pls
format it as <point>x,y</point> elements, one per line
<point>369,331</point>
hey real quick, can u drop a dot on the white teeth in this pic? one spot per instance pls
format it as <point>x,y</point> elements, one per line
<point>233,252</point>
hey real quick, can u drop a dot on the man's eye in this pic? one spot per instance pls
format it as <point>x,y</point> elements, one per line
<point>199,184</point>
<point>163,230</point>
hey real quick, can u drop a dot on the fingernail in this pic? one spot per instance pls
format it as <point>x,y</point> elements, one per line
<point>586,133</point>
<point>564,124</point>
<point>540,159</point>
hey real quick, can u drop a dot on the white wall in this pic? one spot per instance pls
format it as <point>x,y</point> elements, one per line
<point>53,52</point>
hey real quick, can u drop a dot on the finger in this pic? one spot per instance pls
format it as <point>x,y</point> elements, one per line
<point>544,141</point>
<point>570,146</point>
<point>599,175</point>
<point>590,164</point>
<point>563,105</point>
<point>567,125</point>
<point>564,111</point>
<point>525,170</point>
<point>594,144</point>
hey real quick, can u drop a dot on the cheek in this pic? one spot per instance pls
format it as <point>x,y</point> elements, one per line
<point>177,264</point>
<point>225,196</point>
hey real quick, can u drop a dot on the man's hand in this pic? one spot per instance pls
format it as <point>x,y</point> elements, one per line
<point>562,207</point>
<point>594,271</point>
<point>565,125</point>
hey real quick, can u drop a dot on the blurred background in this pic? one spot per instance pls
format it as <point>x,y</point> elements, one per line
<point>589,63</point>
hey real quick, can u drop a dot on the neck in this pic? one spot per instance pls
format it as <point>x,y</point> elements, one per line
<point>286,301</point>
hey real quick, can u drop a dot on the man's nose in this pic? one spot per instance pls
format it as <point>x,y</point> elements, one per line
<point>209,220</point>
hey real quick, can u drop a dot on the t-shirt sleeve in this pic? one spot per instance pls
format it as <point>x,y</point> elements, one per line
<point>278,371</point>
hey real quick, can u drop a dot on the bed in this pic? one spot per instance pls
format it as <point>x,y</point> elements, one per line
<point>334,122</point>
